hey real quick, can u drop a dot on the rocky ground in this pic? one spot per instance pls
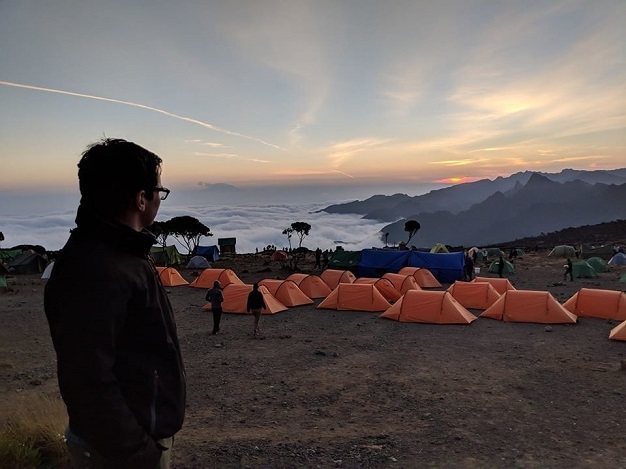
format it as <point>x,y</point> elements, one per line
<point>348,389</point>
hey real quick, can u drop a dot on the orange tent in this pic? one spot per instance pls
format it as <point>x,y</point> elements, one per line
<point>170,277</point>
<point>384,286</point>
<point>287,292</point>
<point>502,285</point>
<point>433,307</point>
<point>355,297</point>
<point>618,332</point>
<point>236,300</point>
<point>475,295</point>
<point>280,256</point>
<point>403,283</point>
<point>529,306</point>
<point>334,277</point>
<point>208,276</point>
<point>423,277</point>
<point>312,285</point>
<point>604,304</point>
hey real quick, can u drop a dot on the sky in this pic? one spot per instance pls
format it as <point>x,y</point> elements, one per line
<point>316,94</point>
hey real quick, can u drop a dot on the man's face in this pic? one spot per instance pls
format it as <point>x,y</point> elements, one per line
<point>152,206</point>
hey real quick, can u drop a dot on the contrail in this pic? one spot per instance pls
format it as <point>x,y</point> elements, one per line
<point>143,106</point>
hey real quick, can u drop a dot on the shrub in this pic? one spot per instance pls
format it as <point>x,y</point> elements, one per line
<point>33,434</point>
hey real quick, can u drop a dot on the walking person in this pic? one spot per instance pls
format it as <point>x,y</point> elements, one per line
<point>255,305</point>
<point>111,322</point>
<point>216,296</point>
<point>569,270</point>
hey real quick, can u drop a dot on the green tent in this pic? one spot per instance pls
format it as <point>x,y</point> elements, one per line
<point>581,269</point>
<point>562,251</point>
<point>495,252</point>
<point>166,256</point>
<point>598,264</point>
<point>508,267</point>
<point>623,278</point>
<point>7,255</point>
<point>344,260</point>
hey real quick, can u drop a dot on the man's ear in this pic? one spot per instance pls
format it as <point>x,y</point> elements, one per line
<point>141,201</point>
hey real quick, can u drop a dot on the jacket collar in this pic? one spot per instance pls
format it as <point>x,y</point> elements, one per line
<point>91,223</point>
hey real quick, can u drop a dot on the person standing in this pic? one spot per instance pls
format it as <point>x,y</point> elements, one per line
<point>318,259</point>
<point>255,305</point>
<point>469,267</point>
<point>500,266</point>
<point>216,296</point>
<point>569,270</point>
<point>119,365</point>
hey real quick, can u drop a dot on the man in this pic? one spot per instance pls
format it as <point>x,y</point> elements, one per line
<point>254,305</point>
<point>119,364</point>
<point>569,270</point>
<point>216,296</point>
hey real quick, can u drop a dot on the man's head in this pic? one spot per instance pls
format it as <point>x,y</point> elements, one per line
<point>116,176</point>
<point>217,284</point>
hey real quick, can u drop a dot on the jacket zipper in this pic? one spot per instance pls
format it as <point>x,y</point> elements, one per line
<point>155,394</point>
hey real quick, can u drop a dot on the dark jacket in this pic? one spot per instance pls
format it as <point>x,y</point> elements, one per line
<point>255,300</point>
<point>216,297</point>
<point>119,364</point>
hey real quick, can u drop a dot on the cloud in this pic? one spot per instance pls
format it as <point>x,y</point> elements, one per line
<point>231,156</point>
<point>142,106</point>
<point>253,226</point>
<point>340,152</point>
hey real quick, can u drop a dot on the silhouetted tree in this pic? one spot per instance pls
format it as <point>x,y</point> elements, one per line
<point>411,227</point>
<point>189,230</point>
<point>289,233</point>
<point>161,229</point>
<point>302,229</point>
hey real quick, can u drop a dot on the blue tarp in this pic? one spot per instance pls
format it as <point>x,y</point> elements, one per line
<point>447,268</point>
<point>376,262</point>
<point>211,253</point>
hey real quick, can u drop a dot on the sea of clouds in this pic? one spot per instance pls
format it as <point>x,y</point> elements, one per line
<point>253,226</point>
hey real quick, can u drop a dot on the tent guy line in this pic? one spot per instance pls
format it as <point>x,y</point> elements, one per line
<point>142,106</point>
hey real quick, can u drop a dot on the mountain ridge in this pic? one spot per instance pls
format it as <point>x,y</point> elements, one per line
<point>522,205</point>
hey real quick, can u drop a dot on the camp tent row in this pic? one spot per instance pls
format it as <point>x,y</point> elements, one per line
<point>496,296</point>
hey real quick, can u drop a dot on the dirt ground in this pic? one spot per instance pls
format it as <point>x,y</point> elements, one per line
<point>348,389</point>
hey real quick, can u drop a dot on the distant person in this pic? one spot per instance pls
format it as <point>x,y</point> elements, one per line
<point>475,255</point>
<point>216,296</point>
<point>325,258</point>
<point>254,306</point>
<point>569,270</point>
<point>113,328</point>
<point>318,258</point>
<point>469,267</point>
<point>501,266</point>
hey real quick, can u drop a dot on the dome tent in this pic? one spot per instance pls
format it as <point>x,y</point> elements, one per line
<point>562,251</point>
<point>582,269</point>
<point>431,307</point>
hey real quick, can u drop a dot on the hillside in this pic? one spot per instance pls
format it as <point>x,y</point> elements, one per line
<point>610,233</point>
<point>488,212</point>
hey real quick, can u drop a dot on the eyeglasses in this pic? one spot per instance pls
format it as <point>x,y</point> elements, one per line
<point>165,191</point>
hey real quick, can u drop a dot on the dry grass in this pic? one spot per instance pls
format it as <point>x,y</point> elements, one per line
<point>33,434</point>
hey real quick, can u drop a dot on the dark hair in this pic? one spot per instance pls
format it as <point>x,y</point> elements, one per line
<point>112,171</point>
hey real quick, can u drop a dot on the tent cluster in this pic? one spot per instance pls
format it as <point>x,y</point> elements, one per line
<point>403,296</point>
